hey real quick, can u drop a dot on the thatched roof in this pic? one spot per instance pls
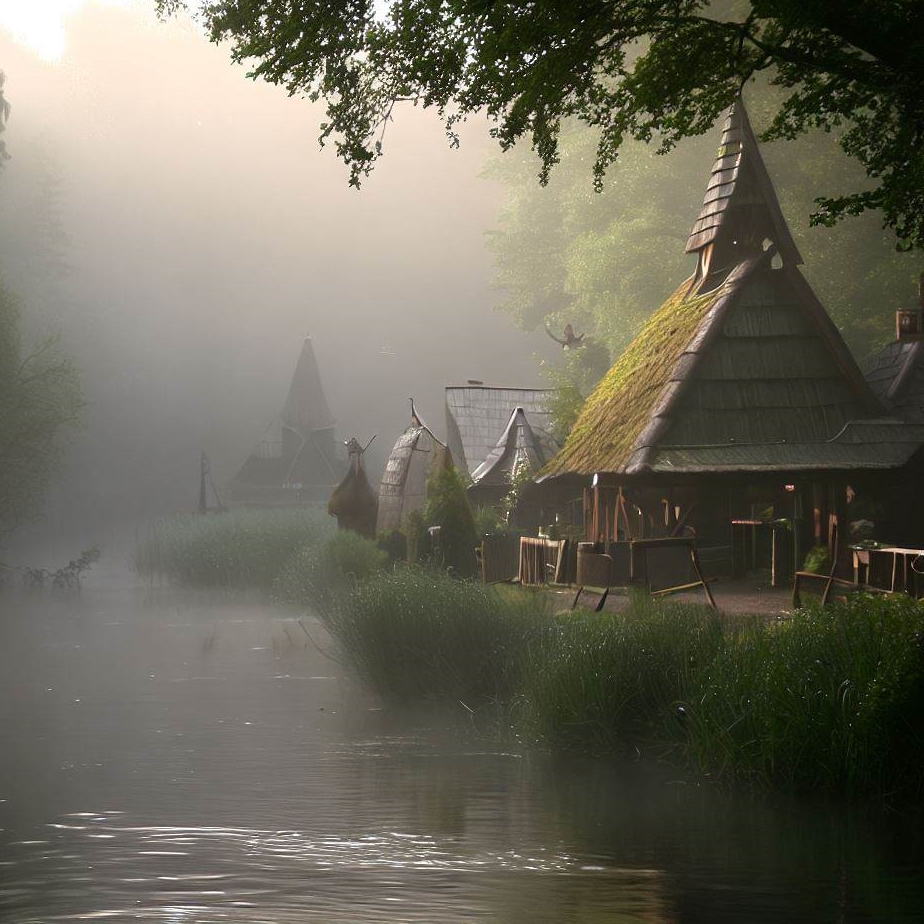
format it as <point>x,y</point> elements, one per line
<point>353,501</point>
<point>477,415</point>
<point>404,482</point>
<point>749,376</point>
<point>519,448</point>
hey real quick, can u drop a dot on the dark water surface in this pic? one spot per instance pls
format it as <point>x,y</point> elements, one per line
<point>175,757</point>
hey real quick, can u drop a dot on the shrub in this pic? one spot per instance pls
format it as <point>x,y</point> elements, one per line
<point>448,507</point>
<point>418,542</point>
<point>318,572</point>
<point>818,560</point>
<point>235,548</point>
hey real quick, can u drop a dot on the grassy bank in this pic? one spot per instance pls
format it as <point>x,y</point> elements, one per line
<point>828,701</point>
<point>235,548</point>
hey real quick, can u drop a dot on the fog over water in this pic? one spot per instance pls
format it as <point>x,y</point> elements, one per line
<point>176,223</point>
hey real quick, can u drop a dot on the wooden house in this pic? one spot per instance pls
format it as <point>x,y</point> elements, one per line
<point>295,462</point>
<point>738,400</point>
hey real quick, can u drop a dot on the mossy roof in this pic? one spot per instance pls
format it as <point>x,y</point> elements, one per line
<point>749,376</point>
<point>621,406</point>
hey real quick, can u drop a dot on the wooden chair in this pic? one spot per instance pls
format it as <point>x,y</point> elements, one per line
<point>830,580</point>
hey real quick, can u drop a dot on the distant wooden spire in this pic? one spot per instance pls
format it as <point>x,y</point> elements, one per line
<point>740,208</point>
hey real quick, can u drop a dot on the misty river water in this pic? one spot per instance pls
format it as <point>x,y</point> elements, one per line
<point>179,757</point>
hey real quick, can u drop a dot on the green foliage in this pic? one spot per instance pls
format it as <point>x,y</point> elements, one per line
<point>418,541</point>
<point>605,263</point>
<point>448,507</point>
<point>235,548</point>
<point>611,682</point>
<point>487,522</point>
<point>661,70</point>
<point>572,382</point>
<point>831,700</point>
<point>416,633</point>
<point>394,545</point>
<point>39,398</point>
<point>818,560</point>
<point>319,571</point>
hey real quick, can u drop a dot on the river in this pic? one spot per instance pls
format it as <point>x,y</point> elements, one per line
<point>182,757</point>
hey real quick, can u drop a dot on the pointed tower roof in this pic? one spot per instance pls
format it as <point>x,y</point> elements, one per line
<point>519,446</point>
<point>740,198</point>
<point>306,406</point>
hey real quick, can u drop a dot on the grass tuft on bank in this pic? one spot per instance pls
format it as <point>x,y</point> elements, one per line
<point>608,682</point>
<point>832,699</point>
<point>235,548</point>
<point>416,633</point>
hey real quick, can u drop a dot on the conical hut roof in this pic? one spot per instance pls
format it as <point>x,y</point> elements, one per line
<point>739,193</point>
<point>519,448</point>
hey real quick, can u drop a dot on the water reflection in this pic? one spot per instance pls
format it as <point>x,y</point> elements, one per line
<point>181,757</point>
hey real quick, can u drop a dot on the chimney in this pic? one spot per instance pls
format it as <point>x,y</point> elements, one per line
<point>908,323</point>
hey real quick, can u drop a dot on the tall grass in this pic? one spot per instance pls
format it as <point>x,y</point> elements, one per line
<point>614,682</point>
<point>831,700</point>
<point>236,548</point>
<point>319,572</point>
<point>415,633</point>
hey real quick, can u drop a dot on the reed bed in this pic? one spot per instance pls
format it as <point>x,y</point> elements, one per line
<point>235,548</point>
<point>828,701</point>
<point>606,682</point>
<point>416,633</point>
<point>831,700</point>
<point>318,573</point>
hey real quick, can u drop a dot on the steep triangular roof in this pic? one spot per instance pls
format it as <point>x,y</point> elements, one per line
<point>740,195</point>
<point>519,448</point>
<point>306,406</point>
<point>477,414</point>
<point>741,369</point>
<point>744,376</point>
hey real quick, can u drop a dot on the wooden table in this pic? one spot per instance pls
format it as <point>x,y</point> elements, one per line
<point>862,560</point>
<point>752,525</point>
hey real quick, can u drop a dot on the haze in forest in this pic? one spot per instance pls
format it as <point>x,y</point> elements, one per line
<point>176,224</point>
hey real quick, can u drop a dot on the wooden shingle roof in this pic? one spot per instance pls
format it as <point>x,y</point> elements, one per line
<point>743,377</point>
<point>477,415</point>
<point>739,181</point>
<point>519,447</point>
<point>896,376</point>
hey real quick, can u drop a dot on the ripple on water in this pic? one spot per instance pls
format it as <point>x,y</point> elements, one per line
<point>174,873</point>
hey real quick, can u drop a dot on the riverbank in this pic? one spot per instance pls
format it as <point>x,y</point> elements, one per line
<point>191,753</point>
<point>826,701</point>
